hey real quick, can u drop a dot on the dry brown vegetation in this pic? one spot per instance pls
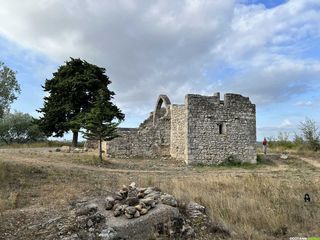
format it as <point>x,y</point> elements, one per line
<point>256,202</point>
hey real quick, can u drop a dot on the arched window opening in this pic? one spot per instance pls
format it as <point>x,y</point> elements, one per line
<point>161,109</point>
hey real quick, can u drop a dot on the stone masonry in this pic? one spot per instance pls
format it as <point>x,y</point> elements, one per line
<point>205,129</point>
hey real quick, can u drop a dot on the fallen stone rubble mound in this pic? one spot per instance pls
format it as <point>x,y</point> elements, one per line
<point>68,149</point>
<point>134,213</point>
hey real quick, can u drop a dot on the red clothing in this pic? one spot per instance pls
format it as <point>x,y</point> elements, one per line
<point>264,142</point>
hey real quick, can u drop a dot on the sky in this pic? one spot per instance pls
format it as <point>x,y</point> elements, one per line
<point>266,50</point>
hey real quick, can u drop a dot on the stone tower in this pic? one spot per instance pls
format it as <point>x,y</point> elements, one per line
<point>205,129</point>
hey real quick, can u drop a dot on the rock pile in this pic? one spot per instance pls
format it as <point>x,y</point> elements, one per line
<point>68,149</point>
<point>133,202</point>
<point>195,210</point>
<point>284,156</point>
<point>132,213</point>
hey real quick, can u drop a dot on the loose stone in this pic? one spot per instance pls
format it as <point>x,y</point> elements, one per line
<point>109,203</point>
<point>87,209</point>
<point>132,201</point>
<point>143,211</point>
<point>169,200</point>
<point>138,207</point>
<point>118,211</point>
<point>140,195</point>
<point>133,185</point>
<point>129,216</point>
<point>89,223</point>
<point>137,214</point>
<point>131,210</point>
<point>147,201</point>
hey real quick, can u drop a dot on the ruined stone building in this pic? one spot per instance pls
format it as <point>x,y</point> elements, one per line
<point>205,129</point>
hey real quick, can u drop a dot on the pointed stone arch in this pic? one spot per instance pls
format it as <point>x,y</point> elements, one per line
<point>162,99</point>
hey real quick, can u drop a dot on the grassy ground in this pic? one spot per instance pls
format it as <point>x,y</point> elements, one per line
<point>263,201</point>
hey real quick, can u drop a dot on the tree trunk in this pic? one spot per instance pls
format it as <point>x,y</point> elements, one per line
<point>75,139</point>
<point>100,150</point>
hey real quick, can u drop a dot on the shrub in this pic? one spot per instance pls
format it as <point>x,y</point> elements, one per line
<point>282,141</point>
<point>311,134</point>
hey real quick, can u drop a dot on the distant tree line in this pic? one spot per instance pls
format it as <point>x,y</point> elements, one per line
<point>308,139</point>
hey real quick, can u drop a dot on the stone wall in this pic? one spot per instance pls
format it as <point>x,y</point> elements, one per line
<point>178,131</point>
<point>149,140</point>
<point>123,145</point>
<point>204,130</point>
<point>218,130</point>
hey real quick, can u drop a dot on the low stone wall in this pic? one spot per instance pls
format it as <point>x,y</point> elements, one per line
<point>148,140</point>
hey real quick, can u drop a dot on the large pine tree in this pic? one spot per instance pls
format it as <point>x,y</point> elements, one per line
<point>71,94</point>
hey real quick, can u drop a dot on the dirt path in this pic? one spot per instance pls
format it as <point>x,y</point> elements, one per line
<point>42,158</point>
<point>312,162</point>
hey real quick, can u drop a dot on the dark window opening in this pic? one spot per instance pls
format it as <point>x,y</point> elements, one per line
<point>222,128</point>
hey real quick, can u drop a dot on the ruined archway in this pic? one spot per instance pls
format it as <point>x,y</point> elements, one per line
<point>162,99</point>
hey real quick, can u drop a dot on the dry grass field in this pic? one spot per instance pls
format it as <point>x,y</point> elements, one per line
<point>263,201</point>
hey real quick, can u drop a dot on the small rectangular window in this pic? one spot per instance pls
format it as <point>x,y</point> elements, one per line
<point>222,128</point>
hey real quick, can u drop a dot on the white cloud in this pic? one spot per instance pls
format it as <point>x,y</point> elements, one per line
<point>147,48</point>
<point>276,82</point>
<point>263,45</point>
<point>168,47</point>
<point>285,123</point>
<point>303,103</point>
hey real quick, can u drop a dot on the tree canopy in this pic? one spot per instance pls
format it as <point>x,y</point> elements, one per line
<point>9,88</point>
<point>311,134</point>
<point>19,128</point>
<point>71,94</point>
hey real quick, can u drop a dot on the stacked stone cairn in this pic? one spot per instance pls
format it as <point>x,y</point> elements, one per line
<point>117,217</point>
<point>133,201</point>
